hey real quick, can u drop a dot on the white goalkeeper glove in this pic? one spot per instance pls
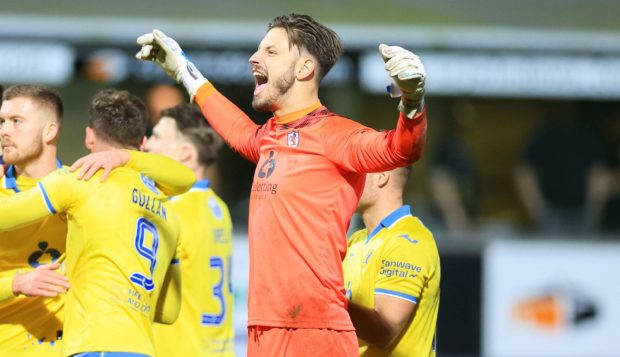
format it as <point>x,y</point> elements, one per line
<point>408,74</point>
<point>167,53</point>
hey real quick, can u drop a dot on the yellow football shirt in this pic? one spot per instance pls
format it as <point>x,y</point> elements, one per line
<point>29,326</point>
<point>121,239</point>
<point>400,259</point>
<point>204,326</point>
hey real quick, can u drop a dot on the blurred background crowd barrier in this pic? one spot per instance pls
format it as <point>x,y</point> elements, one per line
<point>520,181</point>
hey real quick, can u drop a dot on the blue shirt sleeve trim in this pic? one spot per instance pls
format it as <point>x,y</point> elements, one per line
<point>407,297</point>
<point>46,199</point>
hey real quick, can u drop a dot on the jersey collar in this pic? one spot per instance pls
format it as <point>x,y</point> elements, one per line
<point>201,184</point>
<point>10,180</point>
<point>390,220</point>
<point>291,117</point>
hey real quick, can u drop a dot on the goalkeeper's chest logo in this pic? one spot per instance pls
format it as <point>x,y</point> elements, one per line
<point>268,166</point>
<point>293,138</point>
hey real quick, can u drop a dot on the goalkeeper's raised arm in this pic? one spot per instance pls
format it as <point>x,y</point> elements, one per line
<point>311,167</point>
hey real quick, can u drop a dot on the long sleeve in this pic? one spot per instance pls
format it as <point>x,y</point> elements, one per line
<point>6,286</point>
<point>23,208</point>
<point>230,122</point>
<point>169,302</point>
<point>172,177</point>
<point>357,148</point>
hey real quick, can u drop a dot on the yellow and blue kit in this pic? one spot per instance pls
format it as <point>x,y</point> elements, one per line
<point>121,239</point>
<point>32,326</point>
<point>204,326</point>
<point>29,326</point>
<point>399,258</point>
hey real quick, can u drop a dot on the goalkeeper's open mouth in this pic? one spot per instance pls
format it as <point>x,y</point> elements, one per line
<point>260,80</point>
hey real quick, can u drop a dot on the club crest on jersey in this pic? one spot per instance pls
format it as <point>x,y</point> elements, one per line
<point>293,138</point>
<point>215,208</point>
<point>149,183</point>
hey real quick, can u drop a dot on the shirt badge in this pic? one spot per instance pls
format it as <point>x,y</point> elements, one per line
<point>293,138</point>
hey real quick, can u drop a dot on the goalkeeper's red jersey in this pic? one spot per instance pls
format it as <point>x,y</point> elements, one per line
<point>310,173</point>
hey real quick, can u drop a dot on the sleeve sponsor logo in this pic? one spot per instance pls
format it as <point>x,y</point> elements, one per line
<point>390,268</point>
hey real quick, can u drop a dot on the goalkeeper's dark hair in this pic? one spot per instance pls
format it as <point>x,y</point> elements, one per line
<point>193,126</point>
<point>307,34</point>
<point>118,117</point>
<point>43,95</point>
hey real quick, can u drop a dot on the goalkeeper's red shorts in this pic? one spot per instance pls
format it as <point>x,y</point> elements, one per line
<point>280,342</point>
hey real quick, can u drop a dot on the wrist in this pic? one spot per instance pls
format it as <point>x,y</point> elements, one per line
<point>125,156</point>
<point>6,288</point>
<point>191,78</point>
<point>192,86</point>
<point>411,107</point>
<point>15,284</point>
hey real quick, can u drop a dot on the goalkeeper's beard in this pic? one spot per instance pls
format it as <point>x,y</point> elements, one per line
<point>282,85</point>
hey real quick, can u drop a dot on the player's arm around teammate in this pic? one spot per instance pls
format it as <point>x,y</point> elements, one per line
<point>169,176</point>
<point>147,219</point>
<point>44,280</point>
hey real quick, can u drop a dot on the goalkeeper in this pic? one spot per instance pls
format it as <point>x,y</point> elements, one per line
<point>310,173</point>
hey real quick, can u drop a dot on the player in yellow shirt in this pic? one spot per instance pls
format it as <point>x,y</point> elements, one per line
<point>204,326</point>
<point>30,323</point>
<point>392,273</point>
<point>30,120</point>
<point>122,238</point>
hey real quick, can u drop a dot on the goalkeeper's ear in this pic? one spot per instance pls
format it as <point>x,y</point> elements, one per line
<point>306,68</point>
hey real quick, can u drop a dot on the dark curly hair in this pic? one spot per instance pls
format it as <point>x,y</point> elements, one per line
<point>307,34</point>
<point>191,124</point>
<point>118,117</point>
